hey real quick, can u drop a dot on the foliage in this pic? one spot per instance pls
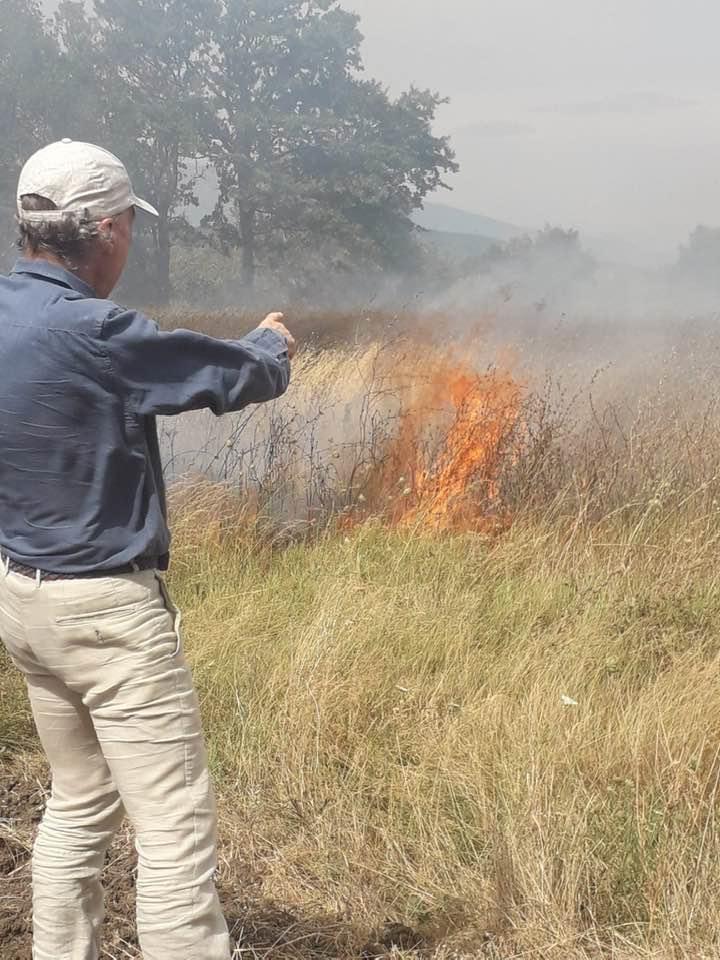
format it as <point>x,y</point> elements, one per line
<point>698,260</point>
<point>31,113</point>
<point>309,156</point>
<point>318,169</point>
<point>551,245</point>
<point>145,70</point>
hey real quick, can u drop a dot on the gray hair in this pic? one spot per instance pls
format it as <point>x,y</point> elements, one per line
<point>68,239</point>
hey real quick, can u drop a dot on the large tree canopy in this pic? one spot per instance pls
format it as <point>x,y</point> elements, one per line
<point>309,155</point>
<point>317,168</point>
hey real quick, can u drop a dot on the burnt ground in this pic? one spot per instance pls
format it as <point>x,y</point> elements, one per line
<point>260,928</point>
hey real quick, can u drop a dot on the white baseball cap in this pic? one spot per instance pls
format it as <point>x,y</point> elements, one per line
<point>82,180</point>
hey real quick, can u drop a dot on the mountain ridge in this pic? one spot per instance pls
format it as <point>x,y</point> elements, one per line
<point>443,218</point>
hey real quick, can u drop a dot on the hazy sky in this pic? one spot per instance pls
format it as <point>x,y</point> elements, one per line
<point>599,114</point>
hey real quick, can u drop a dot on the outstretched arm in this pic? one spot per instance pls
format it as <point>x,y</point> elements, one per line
<point>166,373</point>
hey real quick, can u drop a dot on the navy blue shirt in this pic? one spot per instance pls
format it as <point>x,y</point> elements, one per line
<point>81,382</point>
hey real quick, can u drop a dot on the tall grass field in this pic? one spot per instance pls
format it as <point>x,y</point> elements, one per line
<point>453,612</point>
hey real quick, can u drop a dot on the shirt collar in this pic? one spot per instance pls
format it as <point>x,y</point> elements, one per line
<point>44,270</point>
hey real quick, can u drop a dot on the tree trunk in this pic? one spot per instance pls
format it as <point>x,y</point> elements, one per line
<point>247,233</point>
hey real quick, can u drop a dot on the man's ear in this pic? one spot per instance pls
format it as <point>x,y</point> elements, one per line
<point>105,229</point>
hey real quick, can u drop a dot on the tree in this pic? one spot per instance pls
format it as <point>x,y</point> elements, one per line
<point>318,169</point>
<point>144,61</point>
<point>31,106</point>
<point>308,154</point>
<point>699,259</point>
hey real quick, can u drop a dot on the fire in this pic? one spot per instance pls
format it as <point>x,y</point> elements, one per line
<point>445,463</point>
<point>462,487</point>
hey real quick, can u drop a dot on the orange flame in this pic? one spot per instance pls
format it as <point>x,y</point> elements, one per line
<point>444,467</point>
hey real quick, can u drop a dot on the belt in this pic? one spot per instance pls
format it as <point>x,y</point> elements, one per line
<point>147,563</point>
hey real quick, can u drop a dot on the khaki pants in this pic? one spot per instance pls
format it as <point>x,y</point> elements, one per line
<point>117,715</point>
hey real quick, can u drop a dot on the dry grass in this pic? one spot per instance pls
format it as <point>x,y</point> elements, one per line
<point>386,715</point>
<point>388,705</point>
<point>592,438</point>
<point>511,745</point>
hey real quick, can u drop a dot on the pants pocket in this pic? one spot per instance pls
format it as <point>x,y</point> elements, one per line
<point>93,616</point>
<point>88,602</point>
<point>174,612</point>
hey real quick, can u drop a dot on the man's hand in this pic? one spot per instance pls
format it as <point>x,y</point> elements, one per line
<point>274,321</point>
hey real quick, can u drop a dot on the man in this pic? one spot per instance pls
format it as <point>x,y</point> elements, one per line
<point>84,610</point>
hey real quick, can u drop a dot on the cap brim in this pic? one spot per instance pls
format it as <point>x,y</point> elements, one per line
<point>144,205</point>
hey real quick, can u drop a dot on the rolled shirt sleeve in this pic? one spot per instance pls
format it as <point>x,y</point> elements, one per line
<point>170,372</point>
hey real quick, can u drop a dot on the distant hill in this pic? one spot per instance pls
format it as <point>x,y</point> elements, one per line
<point>456,245</point>
<point>440,218</point>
